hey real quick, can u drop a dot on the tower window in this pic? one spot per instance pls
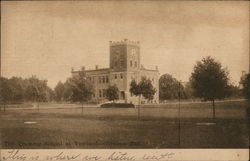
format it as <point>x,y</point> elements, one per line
<point>135,64</point>
<point>121,76</point>
<point>121,63</point>
<point>107,79</point>
<point>131,63</point>
<point>115,76</point>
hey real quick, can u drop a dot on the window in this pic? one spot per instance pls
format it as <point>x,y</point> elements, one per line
<point>122,93</point>
<point>100,79</point>
<point>94,94</point>
<point>131,63</point>
<point>103,79</point>
<point>104,93</point>
<point>100,93</point>
<point>115,63</point>
<point>107,79</point>
<point>115,76</point>
<point>135,64</point>
<point>121,76</point>
<point>121,63</point>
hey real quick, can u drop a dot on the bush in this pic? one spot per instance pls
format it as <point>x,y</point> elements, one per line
<point>117,105</point>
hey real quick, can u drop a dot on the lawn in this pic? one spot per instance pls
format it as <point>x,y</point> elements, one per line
<point>158,127</point>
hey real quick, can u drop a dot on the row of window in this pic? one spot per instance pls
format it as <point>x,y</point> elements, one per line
<point>122,62</point>
<point>102,92</point>
<point>131,63</point>
<point>152,79</point>
<point>103,79</point>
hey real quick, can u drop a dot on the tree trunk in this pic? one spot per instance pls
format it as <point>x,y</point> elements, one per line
<point>213,109</point>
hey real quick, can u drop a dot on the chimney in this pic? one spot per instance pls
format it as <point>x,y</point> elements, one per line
<point>72,69</point>
<point>96,67</point>
<point>156,67</point>
<point>83,68</point>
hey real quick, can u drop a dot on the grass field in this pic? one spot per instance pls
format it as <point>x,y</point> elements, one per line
<point>65,126</point>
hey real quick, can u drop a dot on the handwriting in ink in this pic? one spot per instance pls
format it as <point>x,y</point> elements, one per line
<point>62,156</point>
<point>157,157</point>
<point>121,156</point>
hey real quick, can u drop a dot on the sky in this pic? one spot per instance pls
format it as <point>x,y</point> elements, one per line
<point>48,38</point>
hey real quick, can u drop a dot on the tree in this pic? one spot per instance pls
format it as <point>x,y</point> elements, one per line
<point>170,88</point>
<point>67,94</point>
<point>82,89</point>
<point>210,81</point>
<point>246,86</point>
<point>143,88</point>
<point>146,88</point>
<point>246,91</point>
<point>5,91</point>
<point>17,89</point>
<point>36,90</point>
<point>59,91</point>
<point>189,91</point>
<point>112,93</point>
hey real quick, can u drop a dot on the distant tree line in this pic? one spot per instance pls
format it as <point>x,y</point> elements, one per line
<point>18,90</point>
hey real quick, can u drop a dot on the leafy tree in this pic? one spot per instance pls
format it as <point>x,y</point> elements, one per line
<point>67,94</point>
<point>36,90</point>
<point>189,91</point>
<point>234,91</point>
<point>17,89</point>
<point>246,86</point>
<point>50,95</point>
<point>59,91</point>
<point>146,88</point>
<point>143,88</point>
<point>210,81</point>
<point>112,93</point>
<point>246,91</point>
<point>5,91</point>
<point>82,89</point>
<point>170,88</point>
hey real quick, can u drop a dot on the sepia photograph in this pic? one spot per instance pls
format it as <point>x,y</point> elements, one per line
<point>124,75</point>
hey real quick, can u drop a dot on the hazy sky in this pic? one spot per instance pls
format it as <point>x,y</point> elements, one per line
<point>48,38</point>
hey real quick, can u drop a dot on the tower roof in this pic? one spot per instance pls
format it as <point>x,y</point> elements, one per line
<point>124,42</point>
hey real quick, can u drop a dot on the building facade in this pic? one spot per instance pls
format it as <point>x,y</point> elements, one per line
<point>125,65</point>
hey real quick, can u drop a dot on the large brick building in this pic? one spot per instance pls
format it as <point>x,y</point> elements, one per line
<point>125,65</point>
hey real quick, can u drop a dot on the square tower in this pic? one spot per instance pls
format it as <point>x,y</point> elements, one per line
<point>125,55</point>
